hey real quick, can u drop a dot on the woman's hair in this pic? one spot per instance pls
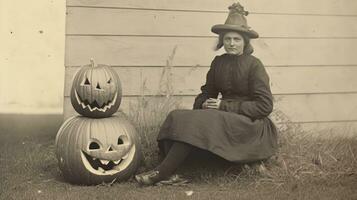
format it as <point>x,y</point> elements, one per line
<point>248,48</point>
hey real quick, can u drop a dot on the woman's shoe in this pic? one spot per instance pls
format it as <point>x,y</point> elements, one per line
<point>175,180</point>
<point>148,178</point>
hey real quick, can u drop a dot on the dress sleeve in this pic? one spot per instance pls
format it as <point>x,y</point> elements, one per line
<point>261,103</point>
<point>208,90</point>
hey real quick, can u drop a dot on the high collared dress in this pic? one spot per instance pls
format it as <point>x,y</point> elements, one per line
<point>240,130</point>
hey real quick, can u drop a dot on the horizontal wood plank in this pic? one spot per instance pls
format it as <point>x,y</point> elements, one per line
<point>329,129</point>
<point>293,108</point>
<point>326,7</point>
<point>149,22</point>
<point>154,51</point>
<point>187,80</point>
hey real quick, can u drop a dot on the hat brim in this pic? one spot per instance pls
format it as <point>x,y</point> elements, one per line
<point>219,28</point>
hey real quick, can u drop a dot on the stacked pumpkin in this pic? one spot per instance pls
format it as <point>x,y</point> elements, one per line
<point>97,146</point>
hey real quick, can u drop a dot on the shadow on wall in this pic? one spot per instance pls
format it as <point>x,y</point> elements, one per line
<point>28,125</point>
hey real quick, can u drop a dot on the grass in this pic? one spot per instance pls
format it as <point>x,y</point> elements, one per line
<point>305,167</point>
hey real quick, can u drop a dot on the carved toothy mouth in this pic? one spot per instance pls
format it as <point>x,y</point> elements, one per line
<point>94,105</point>
<point>100,166</point>
<point>107,167</point>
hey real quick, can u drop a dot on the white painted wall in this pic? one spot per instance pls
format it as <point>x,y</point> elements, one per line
<point>32,56</point>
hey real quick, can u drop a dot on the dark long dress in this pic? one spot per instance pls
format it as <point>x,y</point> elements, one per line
<point>240,131</point>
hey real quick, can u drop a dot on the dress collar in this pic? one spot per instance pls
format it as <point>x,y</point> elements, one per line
<point>233,56</point>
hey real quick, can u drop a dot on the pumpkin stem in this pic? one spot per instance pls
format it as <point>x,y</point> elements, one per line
<point>92,62</point>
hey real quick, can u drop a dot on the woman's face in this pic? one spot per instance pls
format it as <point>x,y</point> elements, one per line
<point>233,43</point>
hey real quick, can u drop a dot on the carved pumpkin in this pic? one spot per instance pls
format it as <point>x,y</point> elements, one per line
<point>92,151</point>
<point>96,91</point>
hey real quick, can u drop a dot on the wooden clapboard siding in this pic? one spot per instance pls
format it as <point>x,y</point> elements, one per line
<point>308,48</point>
<point>153,51</point>
<point>313,79</point>
<point>318,7</point>
<point>297,108</point>
<point>328,129</point>
<point>187,80</point>
<point>177,23</point>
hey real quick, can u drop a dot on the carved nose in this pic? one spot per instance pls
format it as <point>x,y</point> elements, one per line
<point>110,149</point>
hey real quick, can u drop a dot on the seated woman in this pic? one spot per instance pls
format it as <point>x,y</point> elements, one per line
<point>236,127</point>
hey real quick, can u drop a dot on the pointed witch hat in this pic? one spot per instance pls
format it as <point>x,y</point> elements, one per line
<point>236,21</point>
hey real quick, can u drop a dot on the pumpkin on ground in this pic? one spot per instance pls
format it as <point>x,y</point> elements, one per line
<point>96,91</point>
<point>92,151</point>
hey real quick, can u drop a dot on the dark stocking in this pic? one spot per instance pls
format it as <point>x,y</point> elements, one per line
<point>174,157</point>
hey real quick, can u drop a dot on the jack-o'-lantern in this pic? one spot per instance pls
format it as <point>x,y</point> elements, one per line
<point>96,91</point>
<point>92,151</point>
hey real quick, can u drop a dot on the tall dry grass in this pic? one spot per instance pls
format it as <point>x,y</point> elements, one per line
<point>304,157</point>
<point>149,111</point>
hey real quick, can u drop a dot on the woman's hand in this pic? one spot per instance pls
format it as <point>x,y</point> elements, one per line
<point>211,103</point>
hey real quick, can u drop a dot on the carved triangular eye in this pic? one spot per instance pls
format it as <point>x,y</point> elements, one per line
<point>120,141</point>
<point>86,82</point>
<point>109,81</point>
<point>98,86</point>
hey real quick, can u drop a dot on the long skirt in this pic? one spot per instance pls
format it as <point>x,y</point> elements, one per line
<point>234,137</point>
